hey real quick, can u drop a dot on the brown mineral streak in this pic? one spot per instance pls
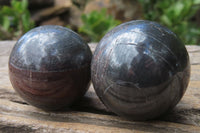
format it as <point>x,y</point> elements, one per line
<point>48,84</point>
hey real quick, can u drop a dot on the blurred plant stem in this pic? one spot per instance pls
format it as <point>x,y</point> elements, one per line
<point>5,34</point>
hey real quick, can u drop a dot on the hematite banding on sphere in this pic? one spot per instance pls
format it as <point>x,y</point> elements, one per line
<point>140,70</point>
<point>49,67</point>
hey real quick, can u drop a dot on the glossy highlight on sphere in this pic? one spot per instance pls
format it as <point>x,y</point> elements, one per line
<point>140,70</point>
<point>49,67</point>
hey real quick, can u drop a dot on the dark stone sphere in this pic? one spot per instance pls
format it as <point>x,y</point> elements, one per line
<point>49,67</point>
<point>140,70</point>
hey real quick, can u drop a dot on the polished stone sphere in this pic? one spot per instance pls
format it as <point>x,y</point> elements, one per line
<point>49,67</point>
<point>140,70</point>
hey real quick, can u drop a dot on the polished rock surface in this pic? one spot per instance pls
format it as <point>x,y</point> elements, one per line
<point>140,70</point>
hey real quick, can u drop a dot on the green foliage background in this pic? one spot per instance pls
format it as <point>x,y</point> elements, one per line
<point>15,19</point>
<point>97,23</point>
<point>176,15</point>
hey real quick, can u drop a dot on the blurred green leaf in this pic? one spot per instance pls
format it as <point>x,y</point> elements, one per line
<point>6,23</point>
<point>24,5</point>
<point>7,11</point>
<point>166,20</point>
<point>196,2</point>
<point>97,24</point>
